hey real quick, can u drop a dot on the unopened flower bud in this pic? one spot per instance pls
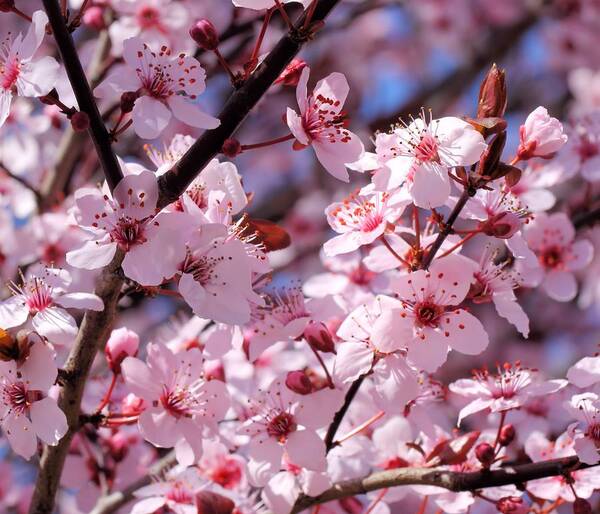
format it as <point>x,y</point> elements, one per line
<point>507,435</point>
<point>122,343</point>
<point>582,506</point>
<point>492,94</point>
<point>7,5</point>
<point>94,17</point>
<point>512,505</point>
<point>318,336</point>
<point>491,156</point>
<point>540,136</point>
<point>485,454</point>
<point>298,382</point>
<point>128,99</point>
<point>204,33</point>
<point>291,75</point>
<point>80,121</point>
<point>231,148</point>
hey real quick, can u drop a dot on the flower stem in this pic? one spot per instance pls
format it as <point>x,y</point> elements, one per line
<point>275,141</point>
<point>468,237</point>
<point>225,65</point>
<point>394,253</point>
<point>320,359</point>
<point>20,13</point>
<point>360,427</point>
<point>108,394</point>
<point>284,14</point>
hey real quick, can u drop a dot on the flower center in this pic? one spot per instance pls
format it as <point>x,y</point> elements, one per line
<point>427,314</point>
<point>202,268</point>
<point>148,17</point>
<point>179,494</point>
<point>587,149</point>
<point>128,233</point>
<point>52,253</point>
<point>9,73</point>
<point>176,403</point>
<point>227,474</point>
<point>38,295</point>
<point>281,426</point>
<point>427,149</point>
<point>323,121</point>
<point>551,257</point>
<point>16,396</point>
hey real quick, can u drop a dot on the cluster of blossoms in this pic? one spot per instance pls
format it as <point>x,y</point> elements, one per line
<point>145,334</point>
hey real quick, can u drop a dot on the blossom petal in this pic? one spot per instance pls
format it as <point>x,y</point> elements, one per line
<point>13,312</point>
<point>86,301</point>
<point>48,420</point>
<point>56,324</point>
<point>560,285</point>
<point>150,117</point>
<point>191,114</point>
<point>306,449</point>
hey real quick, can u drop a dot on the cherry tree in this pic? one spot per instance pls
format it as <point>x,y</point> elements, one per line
<point>201,314</point>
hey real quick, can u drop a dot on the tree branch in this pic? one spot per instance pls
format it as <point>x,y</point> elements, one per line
<point>238,106</point>
<point>83,93</point>
<point>451,480</point>
<point>92,336</point>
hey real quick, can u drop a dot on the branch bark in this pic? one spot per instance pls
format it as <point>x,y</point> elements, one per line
<point>451,480</point>
<point>95,326</point>
<point>92,336</point>
<point>83,93</point>
<point>238,106</point>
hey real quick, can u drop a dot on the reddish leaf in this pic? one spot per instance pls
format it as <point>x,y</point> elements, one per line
<point>452,451</point>
<point>272,236</point>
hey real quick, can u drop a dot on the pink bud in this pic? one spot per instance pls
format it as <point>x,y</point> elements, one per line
<point>205,35</point>
<point>94,17</point>
<point>298,382</point>
<point>231,148</point>
<point>80,121</point>
<point>541,135</point>
<point>507,435</point>
<point>512,505</point>
<point>581,506</point>
<point>291,75</point>
<point>318,336</point>
<point>485,454</point>
<point>122,343</point>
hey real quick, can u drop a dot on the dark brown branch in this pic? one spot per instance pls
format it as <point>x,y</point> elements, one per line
<point>239,105</point>
<point>453,481</point>
<point>83,93</point>
<point>339,415</point>
<point>586,219</point>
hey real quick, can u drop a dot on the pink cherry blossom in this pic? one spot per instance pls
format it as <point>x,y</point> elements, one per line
<point>584,482</point>
<point>426,319</point>
<point>497,283</point>
<point>127,220</point>
<point>322,123</point>
<point>167,85</point>
<point>283,423</point>
<point>18,69</point>
<point>177,493</point>
<point>27,412</point>
<point>43,297</point>
<point>157,22</point>
<point>426,150</point>
<point>585,408</point>
<point>541,135</point>
<point>395,379</point>
<point>122,343</point>
<point>361,218</point>
<point>216,276</point>
<point>180,404</point>
<point>509,389</point>
<point>585,372</point>
<point>552,238</point>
